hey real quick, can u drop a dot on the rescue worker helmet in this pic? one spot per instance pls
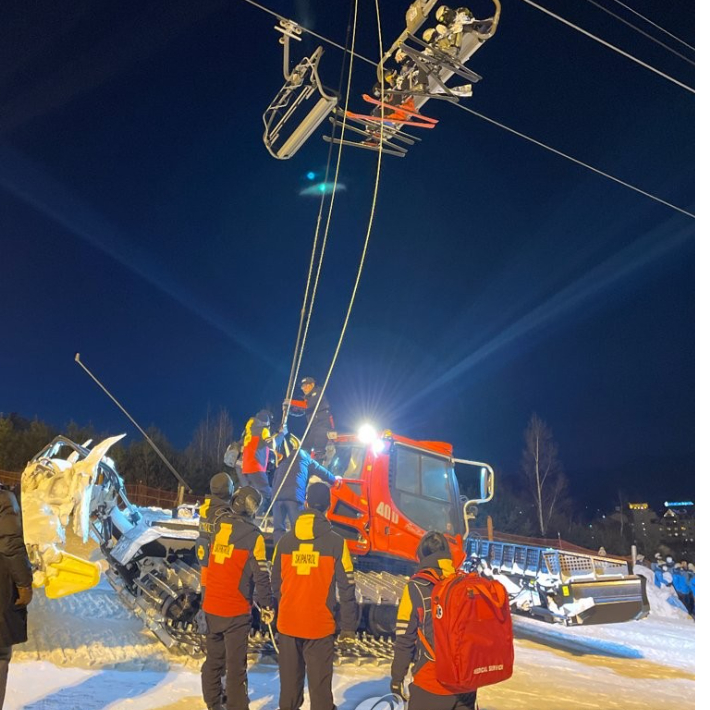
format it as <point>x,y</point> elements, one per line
<point>308,381</point>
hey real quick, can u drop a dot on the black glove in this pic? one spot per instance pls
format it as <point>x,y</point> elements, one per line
<point>397,688</point>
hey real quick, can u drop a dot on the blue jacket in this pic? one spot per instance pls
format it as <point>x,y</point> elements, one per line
<point>297,482</point>
<point>680,582</point>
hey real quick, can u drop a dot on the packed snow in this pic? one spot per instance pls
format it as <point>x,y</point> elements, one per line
<point>87,652</point>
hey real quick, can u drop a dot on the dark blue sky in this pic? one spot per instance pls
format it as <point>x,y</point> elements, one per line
<point>144,225</point>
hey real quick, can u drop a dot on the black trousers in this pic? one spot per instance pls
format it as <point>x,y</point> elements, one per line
<point>284,510</point>
<point>312,657</point>
<point>317,438</point>
<point>420,699</point>
<point>226,653</point>
<point>5,656</point>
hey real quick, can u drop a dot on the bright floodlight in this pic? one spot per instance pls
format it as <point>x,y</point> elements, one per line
<point>367,433</point>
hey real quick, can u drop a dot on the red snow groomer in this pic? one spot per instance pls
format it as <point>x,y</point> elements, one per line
<point>393,490</point>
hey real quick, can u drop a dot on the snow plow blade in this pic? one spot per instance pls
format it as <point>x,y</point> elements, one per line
<point>614,600</point>
<point>563,587</point>
<point>70,574</point>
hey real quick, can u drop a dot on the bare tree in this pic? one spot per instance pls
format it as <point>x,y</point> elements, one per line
<point>209,442</point>
<point>543,470</point>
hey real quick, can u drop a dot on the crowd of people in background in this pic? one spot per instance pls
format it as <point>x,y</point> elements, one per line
<point>678,575</point>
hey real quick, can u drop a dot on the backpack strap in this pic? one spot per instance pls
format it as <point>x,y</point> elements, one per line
<point>426,644</point>
<point>430,577</point>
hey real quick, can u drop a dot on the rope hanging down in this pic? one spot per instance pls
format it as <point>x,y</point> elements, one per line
<point>295,367</point>
<point>359,271</point>
<point>303,331</point>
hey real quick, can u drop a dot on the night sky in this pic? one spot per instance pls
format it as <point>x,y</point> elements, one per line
<point>144,225</point>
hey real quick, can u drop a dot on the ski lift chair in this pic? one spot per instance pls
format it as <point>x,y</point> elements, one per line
<point>302,84</point>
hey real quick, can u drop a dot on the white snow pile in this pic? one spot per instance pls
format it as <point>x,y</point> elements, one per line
<point>87,652</point>
<point>664,601</point>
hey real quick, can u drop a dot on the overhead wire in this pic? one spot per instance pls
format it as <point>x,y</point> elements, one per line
<point>322,38</point>
<point>609,45</point>
<point>356,284</point>
<point>480,115</point>
<point>658,27</point>
<point>641,32</point>
<point>577,161</point>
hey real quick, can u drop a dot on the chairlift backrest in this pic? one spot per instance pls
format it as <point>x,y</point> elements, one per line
<point>302,84</point>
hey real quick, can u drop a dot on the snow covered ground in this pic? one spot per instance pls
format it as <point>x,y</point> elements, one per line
<point>86,652</point>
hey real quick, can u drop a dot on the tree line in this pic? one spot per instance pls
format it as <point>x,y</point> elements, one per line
<point>534,501</point>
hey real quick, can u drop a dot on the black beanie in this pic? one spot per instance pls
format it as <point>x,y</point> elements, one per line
<point>432,543</point>
<point>222,486</point>
<point>318,496</point>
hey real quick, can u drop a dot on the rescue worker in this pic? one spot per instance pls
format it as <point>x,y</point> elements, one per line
<point>217,504</point>
<point>320,421</point>
<point>309,562</point>
<point>413,619</point>
<point>15,583</point>
<point>291,488</point>
<point>256,443</point>
<point>237,575</point>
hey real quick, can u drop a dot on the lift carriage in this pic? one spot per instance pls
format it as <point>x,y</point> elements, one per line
<point>303,88</point>
<point>413,70</point>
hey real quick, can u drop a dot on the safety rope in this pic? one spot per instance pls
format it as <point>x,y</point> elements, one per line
<point>360,266</point>
<point>302,333</point>
<point>324,242</point>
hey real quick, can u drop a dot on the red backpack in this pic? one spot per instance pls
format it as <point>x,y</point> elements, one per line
<point>473,632</point>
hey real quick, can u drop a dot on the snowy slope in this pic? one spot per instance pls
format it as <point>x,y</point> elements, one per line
<point>86,652</point>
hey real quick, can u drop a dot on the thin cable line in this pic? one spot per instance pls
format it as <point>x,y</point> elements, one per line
<point>312,33</point>
<point>677,39</point>
<point>575,160</point>
<point>609,45</point>
<point>640,31</point>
